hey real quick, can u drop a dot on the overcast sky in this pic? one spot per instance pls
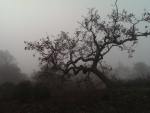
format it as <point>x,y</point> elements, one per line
<point>30,20</point>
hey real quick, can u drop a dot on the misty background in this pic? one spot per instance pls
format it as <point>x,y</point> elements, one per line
<point>30,20</point>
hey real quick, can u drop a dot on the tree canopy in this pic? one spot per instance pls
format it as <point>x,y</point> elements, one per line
<point>9,71</point>
<point>91,42</point>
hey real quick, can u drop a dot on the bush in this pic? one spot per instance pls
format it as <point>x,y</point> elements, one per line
<point>26,91</point>
<point>7,91</point>
<point>40,93</point>
<point>23,90</point>
<point>138,82</point>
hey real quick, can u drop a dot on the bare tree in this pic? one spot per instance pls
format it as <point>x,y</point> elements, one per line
<point>91,42</point>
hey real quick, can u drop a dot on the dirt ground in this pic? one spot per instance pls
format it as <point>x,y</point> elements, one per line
<point>130,100</point>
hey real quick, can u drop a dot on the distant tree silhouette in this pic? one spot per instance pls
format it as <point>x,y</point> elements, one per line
<point>141,68</point>
<point>121,72</point>
<point>9,71</point>
<point>91,42</point>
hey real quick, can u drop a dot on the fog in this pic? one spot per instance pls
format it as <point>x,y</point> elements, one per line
<point>30,20</point>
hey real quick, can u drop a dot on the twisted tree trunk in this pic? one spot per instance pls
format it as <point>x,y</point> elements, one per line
<point>108,83</point>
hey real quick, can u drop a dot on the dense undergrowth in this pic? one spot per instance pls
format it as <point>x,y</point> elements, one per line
<point>133,97</point>
<point>24,91</point>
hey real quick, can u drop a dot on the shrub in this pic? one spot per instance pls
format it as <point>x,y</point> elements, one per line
<point>138,82</point>
<point>40,93</point>
<point>26,91</point>
<point>7,91</point>
<point>23,90</point>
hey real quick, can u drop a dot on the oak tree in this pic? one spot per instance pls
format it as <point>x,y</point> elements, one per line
<point>91,42</point>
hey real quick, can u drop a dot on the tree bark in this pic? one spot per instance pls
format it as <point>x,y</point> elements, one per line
<point>108,83</point>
